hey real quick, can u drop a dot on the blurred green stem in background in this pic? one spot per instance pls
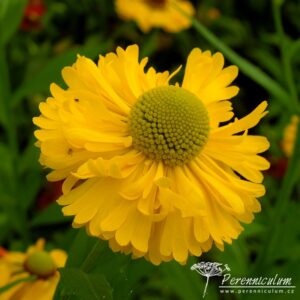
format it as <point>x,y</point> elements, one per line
<point>285,58</point>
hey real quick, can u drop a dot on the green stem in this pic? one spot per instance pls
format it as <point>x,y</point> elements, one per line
<point>288,185</point>
<point>294,49</point>
<point>285,57</point>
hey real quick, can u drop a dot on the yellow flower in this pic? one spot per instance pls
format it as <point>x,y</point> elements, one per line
<point>289,136</point>
<point>147,165</point>
<point>156,13</point>
<point>18,265</point>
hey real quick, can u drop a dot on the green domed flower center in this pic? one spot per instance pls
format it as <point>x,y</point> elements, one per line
<point>169,124</point>
<point>40,263</point>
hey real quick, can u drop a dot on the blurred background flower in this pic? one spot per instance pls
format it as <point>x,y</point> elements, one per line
<point>33,274</point>
<point>289,137</point>
<point>33,15</point>
<point>156,13</point>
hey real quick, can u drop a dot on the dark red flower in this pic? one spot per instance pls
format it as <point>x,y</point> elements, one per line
<point>2,251</point>
<point>33,14</point>
<point>278,167</point>
<point>50,193</point>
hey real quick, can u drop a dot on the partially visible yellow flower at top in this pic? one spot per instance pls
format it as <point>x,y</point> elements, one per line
<point>289,136</point>
<point>149,165</point>
<point>36,261</point>
<point>156,13</point>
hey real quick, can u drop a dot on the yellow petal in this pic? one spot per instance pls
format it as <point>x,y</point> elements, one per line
<point>59,256</point>
<point>205,77</point>
<point>245,123</point>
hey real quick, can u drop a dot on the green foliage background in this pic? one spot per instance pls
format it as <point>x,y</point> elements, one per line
<point>265,38</point>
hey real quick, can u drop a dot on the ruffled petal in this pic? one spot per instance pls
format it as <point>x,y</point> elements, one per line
<point>219,112</point>
<point>240,125</point>
<point>117,167</point>
<point>205,77</point>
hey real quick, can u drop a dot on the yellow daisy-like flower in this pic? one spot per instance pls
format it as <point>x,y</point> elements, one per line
<point>156,13</point>
<point>289,136</point>
<point>147,164</point>
<point>36,261</point>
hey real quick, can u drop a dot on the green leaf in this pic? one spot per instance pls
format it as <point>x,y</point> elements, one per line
<point>187,284</point>
<point>235,256</point>
<point>30,185</point>
<point>29,158</point>
<point>11,14</point>
<point>50,216</point>
<point>79,256</point>
<point>80,249</point>
<point>93,255</point>
<point>6,161</point>
<point>4,88</point>
<point>294,49</point>
<point>127,279</point>
<point>7,173</point>
<point>84,286</point>
<point>286,236</point>
<point>4,225</point>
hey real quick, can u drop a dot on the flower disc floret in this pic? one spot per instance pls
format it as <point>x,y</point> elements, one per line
<point>169,124</point>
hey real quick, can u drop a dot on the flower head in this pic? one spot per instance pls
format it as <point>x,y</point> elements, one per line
<point>290,136</point>
<point>156,13</point>
<point>36,261</point>
<point>148,165</point>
